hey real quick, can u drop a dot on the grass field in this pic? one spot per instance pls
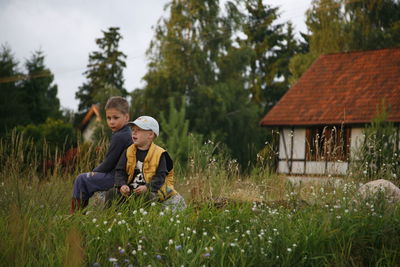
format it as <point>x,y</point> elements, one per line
<point>231,220</point>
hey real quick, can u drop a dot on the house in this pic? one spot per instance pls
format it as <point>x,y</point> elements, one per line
<point>90,123</point>
<point>322,116</point>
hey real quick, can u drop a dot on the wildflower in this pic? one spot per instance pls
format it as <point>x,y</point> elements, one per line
<point>170,241</point>
<point>119,214</point>
<point>178,247</point>
<point>112,259</point>
<point>161,213</point>
<point>289,249</point>
<point>242,250</point>
<point>94,220</point>
<point>141,210</point>
<point>122,251</point>
<point>204,233</point>
<point>158,257</point>
<point>248,232</point>
<point>189,251</point>
<point>294,245</point>
<point>206,255</point>
<point>232,244</point>
<point>105,222</point>
<point>153,204</point>
<point>338,217</point>
<point>109,230</point>
<point>96,264</point>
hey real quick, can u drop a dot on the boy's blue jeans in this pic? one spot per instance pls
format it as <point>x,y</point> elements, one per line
<point>86,184</point>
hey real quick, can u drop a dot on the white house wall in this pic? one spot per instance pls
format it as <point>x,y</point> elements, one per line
<point>298,152</point>
<point>356,139</point>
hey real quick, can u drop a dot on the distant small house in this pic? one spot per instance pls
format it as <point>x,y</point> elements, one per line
<point>90,123</point>
<point>322,116</point>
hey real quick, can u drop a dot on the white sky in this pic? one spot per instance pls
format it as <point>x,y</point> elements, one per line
<point>65,30</point>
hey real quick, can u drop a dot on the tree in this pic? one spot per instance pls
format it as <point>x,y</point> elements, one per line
<point>373,24</point>
<point>11,109</point>
<point>105,72</point>
<point>343,26</point>
<point>264,38</point>
<point>38,92</point>
<point>199,52</point>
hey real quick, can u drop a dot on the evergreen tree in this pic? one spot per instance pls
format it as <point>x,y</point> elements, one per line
<point>38,92</point>
<point>11,109</point>
<point>264,38</point>
<point>105,72</point>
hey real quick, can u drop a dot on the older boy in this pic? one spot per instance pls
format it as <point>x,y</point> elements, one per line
<point>147,169</point>
<point>102,177</point>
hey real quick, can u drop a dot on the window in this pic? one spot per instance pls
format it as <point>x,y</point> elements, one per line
<point>329,143</point>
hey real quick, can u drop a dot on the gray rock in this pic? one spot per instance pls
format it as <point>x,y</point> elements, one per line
<point>371,189</point>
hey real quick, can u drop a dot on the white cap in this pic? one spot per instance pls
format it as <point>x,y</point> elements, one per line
<point>146,123</point>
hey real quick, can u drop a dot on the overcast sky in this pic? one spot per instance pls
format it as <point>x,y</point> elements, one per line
<point>65,30</point>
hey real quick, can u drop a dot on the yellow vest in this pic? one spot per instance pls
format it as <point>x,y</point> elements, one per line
<point>150,166</point>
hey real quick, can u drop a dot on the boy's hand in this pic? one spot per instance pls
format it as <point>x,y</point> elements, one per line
<point>125,190</point>
<point>140,190</point>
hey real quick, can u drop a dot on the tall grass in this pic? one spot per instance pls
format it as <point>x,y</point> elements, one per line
<point>232,220</point>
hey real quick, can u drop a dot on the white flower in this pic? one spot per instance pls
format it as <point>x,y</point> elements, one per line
<point>94,220</point>
<point>153,204</point>
<point>133,252</point>
<point>170,242</point>
<point>189,251</point>
<point>289,249</point>
<point>112,260</point>
<point>161,213</point>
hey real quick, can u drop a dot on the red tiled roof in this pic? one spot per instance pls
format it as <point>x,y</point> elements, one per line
<point>342,88</point>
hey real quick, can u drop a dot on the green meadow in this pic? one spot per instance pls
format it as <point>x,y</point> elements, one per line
<point>232,219</point>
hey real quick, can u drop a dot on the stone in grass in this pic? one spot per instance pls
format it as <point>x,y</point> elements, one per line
<point>387,188</point>
<point>98,199</point>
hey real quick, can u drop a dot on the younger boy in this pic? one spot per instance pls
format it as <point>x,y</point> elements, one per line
<point>146,169</point>
<point>102,177</point>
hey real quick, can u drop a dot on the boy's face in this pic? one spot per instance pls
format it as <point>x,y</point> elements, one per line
<point>142,138</point>
<point>116,119</point>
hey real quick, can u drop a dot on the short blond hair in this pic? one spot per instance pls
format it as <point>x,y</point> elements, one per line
<point>119,103</point>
